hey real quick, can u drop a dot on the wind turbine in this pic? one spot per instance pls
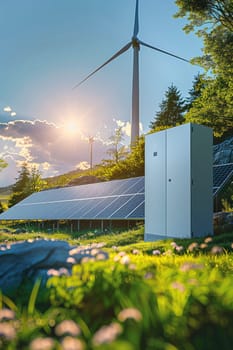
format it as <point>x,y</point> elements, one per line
<point>135,43</point>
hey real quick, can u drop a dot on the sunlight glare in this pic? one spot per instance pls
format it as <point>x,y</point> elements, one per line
<point>71,127</point>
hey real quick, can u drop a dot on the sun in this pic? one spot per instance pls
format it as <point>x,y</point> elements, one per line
<point>70,127</point>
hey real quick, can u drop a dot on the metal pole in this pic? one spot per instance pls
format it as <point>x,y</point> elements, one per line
<point>91,141</point>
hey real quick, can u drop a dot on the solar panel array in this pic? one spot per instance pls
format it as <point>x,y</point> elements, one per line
<point>222,174</point>
<point>118,199</point>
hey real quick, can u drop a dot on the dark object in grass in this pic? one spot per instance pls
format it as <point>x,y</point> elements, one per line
<point>35,259</point>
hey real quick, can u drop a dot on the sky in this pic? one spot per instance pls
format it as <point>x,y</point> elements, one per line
<point>48,46</point>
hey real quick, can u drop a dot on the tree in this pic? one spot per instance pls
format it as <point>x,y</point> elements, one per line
<point>214,107</point>
<point>212,20</point>
<point>131,166</point>
<point>199,84</point>
<point>117,151</point>
<point>36,182</point>
<point>171,110</point>
<point>1,208</point>
<point>21,188</point>
<point>202,12</point>
<point>28,181</point>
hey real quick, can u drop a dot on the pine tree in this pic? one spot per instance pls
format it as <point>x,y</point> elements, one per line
<point>29,181</point>
<point>171,110</point>
<point>199,84</point>
<point>21,188</point>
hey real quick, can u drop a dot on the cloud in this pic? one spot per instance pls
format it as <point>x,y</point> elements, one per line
<point>7,109</point>
<point>45,166</point>
<point>39,131</point>
<point>47,146</point>
<point>84,165</point>
<point>119,122</point>
<point>125,126</point>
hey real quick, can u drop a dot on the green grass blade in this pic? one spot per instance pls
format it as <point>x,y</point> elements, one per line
<point>33,296</point>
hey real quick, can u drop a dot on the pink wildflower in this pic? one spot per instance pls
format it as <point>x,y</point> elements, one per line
<point>67,327</point>
<point>125,260</point>
<point>216,250</point>
<point>130,313</point>
<point>179,248</point>
<point>203,245</point>
<point>156,252</point>
<point>7,331</point>
<point>69,343</point>
<point>179,286</point>
<point>42,344</point>
<point>193,246</point>
<point>7,314</point>
<point>208,239</point>
<point>187,266</point>
<point>101,256</point>
<point>71,260</point>
<point>107,334</point>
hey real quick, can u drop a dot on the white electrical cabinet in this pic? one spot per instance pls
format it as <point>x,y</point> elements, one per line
<point>179,182</point>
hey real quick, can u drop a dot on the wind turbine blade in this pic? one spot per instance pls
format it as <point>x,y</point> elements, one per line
<point>121,51</point>
<point>166,52</point>
<point>136,23</point>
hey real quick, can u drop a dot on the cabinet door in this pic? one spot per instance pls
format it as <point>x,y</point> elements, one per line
<point>155,184</point>
<point>202,175</point>
<point>179,181</point>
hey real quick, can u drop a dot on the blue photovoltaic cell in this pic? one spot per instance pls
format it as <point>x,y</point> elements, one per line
<point>115,204</point>
<point>79,208</point>
<point>99,206</point>
<point>118,199</point>
<point>128,206</point>
<point>138,212</point>
<point>119,187</point>
<point>108,206</point>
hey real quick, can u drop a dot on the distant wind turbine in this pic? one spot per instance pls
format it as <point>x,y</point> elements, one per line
<point>135,43</point>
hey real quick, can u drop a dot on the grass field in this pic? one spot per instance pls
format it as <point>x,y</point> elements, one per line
<point>167,295</point>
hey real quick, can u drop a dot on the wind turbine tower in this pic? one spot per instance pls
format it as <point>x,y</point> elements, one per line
<point>135,43</point>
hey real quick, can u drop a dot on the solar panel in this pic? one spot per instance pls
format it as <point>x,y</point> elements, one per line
<point>117,200</point>
<point>222,174</point>
<point>106,200</point>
